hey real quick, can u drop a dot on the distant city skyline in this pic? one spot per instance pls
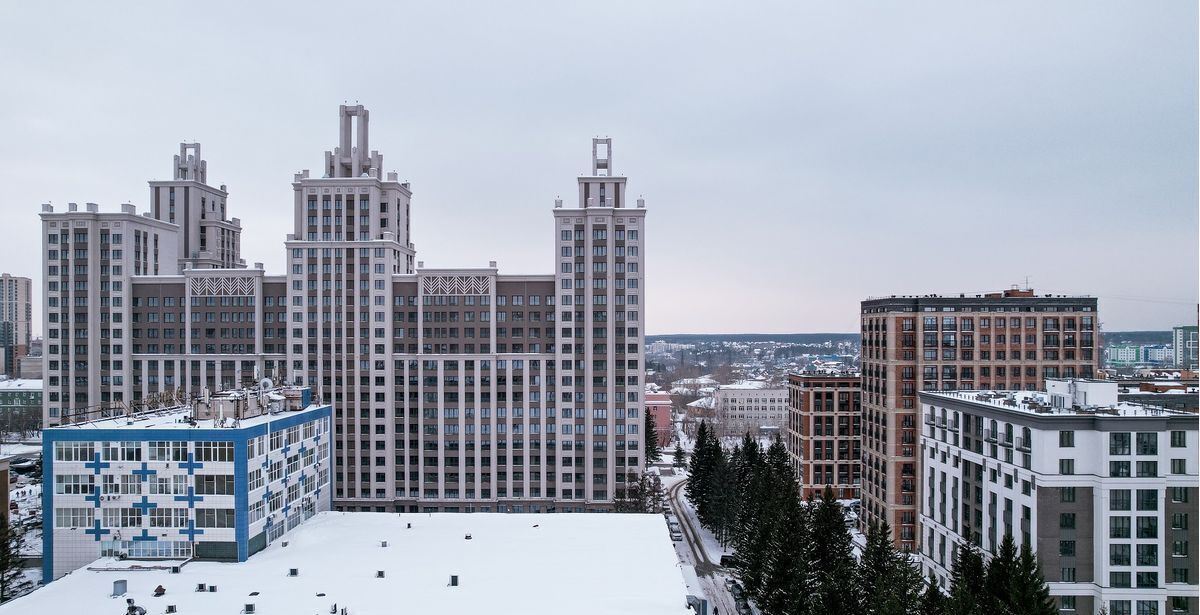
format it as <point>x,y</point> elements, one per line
<point>805,163</point>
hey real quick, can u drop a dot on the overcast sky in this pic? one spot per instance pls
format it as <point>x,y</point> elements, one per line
<point>795,157</point>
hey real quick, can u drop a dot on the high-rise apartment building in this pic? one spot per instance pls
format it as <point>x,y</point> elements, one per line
<point>452,389</point>
<point>1185,342</point>
<point>208,239</point>
<point>824,432</point>
<point>16,321</point>
<point>1103,491</point>
<point>1008,340</point>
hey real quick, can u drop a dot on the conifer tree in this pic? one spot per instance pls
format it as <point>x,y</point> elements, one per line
<point>699,468</point>
<point>832,561</point>
<point>679,456</point>
<point>1029,589</point>
<point>653,450</point>
<point>788,585</point>
<point>12,539</point>
<point>967,581</point>
<point>1001,573</point>
<point>933,601</point>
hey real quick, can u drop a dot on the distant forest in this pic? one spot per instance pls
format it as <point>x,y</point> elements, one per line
<point>1112,338</point>
<point>792,338</point>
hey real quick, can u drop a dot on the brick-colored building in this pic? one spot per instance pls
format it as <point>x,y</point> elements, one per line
<point>659,405</point>
<point>1007,340</point>
<point>824,434</point>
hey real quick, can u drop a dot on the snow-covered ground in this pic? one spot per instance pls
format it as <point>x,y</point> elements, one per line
<point>577,564</point>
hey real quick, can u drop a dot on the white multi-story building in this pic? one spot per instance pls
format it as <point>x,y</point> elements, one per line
<point>215,478</point>
<point>1104,492</point>
<point>1185,344</point>
<point>750,407</point>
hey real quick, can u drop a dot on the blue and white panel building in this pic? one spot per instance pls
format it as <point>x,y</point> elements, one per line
<point>216,478</point>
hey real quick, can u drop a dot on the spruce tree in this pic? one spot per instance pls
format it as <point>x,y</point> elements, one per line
<point>699,468</point>
<point>12,539</point>
<point>653,450</point>
<point>832,561</point>
<point>967,581</point>
<point>678,456</point>
<point>933,601</point>
<point>788,585</point>
<point>1029,589</point>
<point>1001,573</point>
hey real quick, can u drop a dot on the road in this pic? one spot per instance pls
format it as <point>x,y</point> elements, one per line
<point>691,551</point>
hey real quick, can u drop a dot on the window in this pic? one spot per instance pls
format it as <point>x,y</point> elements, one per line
<point>122,517</point>
<point>1119,579</point>
<point>1179,521</point>
<point>1179,494</point>
<point>1118,469</point>
<point>1179,548</point>
<point>1147,499</point>
<point>1179,466</point>
<point>214,451</point>
<point>75,484</point>
<point>255,480</point>
<point>1066,494</point>
<point>214,517</point>
<point>1146,579</point>
<point>1066,603</point>
<point>74,517</point>
<point>214,484</point>
<point>1147,555</point>
<point>1066,548</point>
<point>1066,439</point>
<point>1066,466</point>
<point>1066,521</point>
<point>169,485</point>
<point>1147,527</point>
<point>168,451</point>
<point>1147,468</point>
<point>1118,554</point>
<point>1119,499</point>
<point>168,517</point>
<point>1118,527</point>
<point>1147,443</point>
<point>1178,439</point>
<point>1118,443</point>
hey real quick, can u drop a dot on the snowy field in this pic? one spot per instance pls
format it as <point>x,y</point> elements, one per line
<point>577,564</point>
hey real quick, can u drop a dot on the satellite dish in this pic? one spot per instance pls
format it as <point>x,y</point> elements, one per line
<point>266,383</point>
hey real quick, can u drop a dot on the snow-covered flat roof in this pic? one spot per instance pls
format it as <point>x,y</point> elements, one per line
<point>21,384</point>
<point>576,564</point>
<point>175,417</point>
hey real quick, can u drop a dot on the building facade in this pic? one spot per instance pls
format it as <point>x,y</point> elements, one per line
<point>1185,342</point>
<point>216,479</point>
<point>824,433</point>
<point>1008,340</point>
<point>453,389</point>
<point>1103,491</point>
<point>21,407</point>
<point>750,408</point>
<point>16,321</point>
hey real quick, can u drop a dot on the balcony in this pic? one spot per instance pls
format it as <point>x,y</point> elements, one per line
<point>989,435</point>
<point>1023,444</point>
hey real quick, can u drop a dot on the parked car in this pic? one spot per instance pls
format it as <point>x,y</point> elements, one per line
<point>676,535</point>
<point>728,561</point>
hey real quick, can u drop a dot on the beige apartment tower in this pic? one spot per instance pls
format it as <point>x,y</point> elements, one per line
<point>16,321</point>
<point>455,390</point>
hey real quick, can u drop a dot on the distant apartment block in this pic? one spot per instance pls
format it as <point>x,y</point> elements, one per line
<point>453,390</point>
<point>213,478</point>
<point>659,405</point>
<point>1103,491</point>
<point>20,406</point>
<point>750,407</point>
<point>1007,340</point>
<point>1185,341</point>
<point>16,321</point>
<point>824,432</point>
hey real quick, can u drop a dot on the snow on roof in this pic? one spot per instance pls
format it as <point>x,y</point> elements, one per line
<point>30,384</point>
<point>746,385</point>
<point>581,564</point>
<point>19,450</point>
<point>704,402</point>
<point>176,417</point>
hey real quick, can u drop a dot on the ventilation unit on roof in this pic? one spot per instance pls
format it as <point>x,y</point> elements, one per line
<point>383,543</point>
<point>200,587</point>
<point>171,608</point>
<point>379,574</point>
<point>119,587</point>
<point>293,572</point>
<point>454,580</point>
<point>212,588</point>
<point>249,608</point>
